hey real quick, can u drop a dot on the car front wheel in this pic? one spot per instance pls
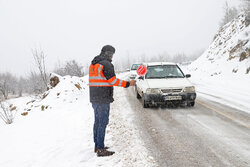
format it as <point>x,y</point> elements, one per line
<point>137,94</point>
<point>144,104</point>
<point>191,104</point>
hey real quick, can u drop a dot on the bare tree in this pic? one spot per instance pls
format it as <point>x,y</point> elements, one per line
<point>39,58</point>
<point>7,113</point>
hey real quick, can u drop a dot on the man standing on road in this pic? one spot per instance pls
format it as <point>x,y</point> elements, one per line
<point>102,78</point>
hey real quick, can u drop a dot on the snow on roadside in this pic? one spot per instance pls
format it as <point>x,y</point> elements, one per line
<point>133,151</point>
<point>229,89</point>
<point>58,131</point>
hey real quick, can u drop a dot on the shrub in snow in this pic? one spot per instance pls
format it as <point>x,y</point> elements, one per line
<point>45,95</point>
<point>243,56</point>
<point>7,113</point>
<point>43,107</point>
<point>248,69</point>
<point>78,86</point>
<point>54,80</point>
<point>24,113</point>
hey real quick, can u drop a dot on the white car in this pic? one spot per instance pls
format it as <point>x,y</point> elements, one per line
<point>165,84</point>
<point>133,69</point>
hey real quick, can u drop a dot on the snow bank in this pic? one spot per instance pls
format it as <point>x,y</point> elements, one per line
<point>57,131</point>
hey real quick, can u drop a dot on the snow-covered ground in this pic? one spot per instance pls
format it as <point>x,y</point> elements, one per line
<point>58,131</point>
<point>222,72</point>
<point>230,89</point>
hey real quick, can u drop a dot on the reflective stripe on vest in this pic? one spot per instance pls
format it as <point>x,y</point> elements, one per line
<point>97,78</point>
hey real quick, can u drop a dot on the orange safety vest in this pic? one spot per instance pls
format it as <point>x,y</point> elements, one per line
<point>97,78</point>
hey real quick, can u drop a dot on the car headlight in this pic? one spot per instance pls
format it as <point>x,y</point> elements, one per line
<point>153,91</point>
<point>189,89</point>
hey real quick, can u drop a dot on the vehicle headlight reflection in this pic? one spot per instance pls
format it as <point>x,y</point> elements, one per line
<point>189,89</point>
<point>153,91</point>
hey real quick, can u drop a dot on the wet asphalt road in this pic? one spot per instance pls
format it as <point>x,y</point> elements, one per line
<point>208,134</point>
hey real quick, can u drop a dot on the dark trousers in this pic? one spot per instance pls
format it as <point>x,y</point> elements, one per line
<point>101,121</point>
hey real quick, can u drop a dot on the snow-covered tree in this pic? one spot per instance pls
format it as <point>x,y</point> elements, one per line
<point>22,86</point>
<point>33,83</point>
<point>246,5</point>
<point>229,14</point>
<point>8,84</point>
<point>71,67</point>
<point>246,8</point>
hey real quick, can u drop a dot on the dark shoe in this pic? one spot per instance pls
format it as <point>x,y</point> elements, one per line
<point>95,150</point>
<point>104,153</point>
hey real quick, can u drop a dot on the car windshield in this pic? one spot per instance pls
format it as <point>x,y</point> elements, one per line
<point>135,66</point>
<point>164,71</point>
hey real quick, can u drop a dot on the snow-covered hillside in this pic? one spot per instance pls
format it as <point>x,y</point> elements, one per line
<point>229,52</point>
<point>222,73</point>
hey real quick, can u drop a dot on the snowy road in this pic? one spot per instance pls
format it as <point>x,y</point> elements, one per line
<point>209,134</point>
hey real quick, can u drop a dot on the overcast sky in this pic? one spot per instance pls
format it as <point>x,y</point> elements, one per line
<point>77,29</point>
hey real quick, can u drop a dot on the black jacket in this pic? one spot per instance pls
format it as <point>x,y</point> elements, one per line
<point>103,94</point>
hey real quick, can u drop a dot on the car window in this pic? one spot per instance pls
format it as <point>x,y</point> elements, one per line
<point>164,71</point>
<point>135,66</point>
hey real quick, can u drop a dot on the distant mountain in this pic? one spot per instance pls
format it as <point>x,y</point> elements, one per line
<point>229,52</point>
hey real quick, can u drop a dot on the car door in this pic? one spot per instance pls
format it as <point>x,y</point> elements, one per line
<point>140,82</point>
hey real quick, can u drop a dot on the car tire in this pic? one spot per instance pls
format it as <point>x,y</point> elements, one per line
<point>137,94</point>
<point>144,104</point>
<point>190,104</point>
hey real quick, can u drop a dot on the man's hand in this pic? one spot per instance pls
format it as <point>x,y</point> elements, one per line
<point>132,82</point>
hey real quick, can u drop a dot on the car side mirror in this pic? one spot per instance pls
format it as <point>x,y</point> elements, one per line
<point>141,77</point>
<point>127,69</point>
<point>188,75</point>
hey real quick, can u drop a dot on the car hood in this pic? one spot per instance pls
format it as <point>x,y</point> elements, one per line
<point>168,83</point>
<point>133,72</point>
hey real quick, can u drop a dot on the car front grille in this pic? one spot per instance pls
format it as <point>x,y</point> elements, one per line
<point>132,77</point>
<point>171,90</point>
